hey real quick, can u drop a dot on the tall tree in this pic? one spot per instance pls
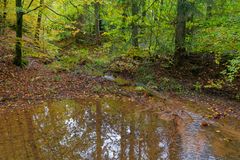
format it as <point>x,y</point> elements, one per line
<point>19,29</point>
<point>180,32</point>
<point>19,13</point>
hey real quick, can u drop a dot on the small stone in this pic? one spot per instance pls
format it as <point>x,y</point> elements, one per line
<point>204,124</point>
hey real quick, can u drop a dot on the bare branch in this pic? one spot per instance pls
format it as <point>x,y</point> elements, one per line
<point>30,4</point>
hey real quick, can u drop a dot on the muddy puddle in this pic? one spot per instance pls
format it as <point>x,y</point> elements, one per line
<point>112,128</point>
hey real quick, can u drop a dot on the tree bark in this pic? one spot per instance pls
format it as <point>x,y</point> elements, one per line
<point>39,21</point>
<point>18,52</point>
<point>180,32</point>
<point>135,28</point>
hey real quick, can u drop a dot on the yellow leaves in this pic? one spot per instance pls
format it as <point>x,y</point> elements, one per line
<point>74,33</point>
<point>67,26</point>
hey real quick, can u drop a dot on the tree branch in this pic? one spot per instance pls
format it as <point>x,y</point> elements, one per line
<point>32,10</point>
<point>58,13</point>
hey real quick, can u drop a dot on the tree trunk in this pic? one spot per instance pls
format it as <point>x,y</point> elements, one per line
<point>97,22</point>
<point>135,28</point>
<point>180,32</point>
<point>18,52</point>
<point>39,21</point>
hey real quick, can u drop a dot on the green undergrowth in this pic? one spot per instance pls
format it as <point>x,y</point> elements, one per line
<point>70,60</point>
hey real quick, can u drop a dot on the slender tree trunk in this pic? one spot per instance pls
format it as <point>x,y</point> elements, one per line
<point>39,21</point>
<point>180,32</point>
<point>135,28</point>
<point>97,22</point>
<point>19,13</point>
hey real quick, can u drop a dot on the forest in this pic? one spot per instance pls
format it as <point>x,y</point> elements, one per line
<point>170,65</point>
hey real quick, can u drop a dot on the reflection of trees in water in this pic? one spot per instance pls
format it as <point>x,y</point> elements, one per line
<point>80,131</point>
<point>31,138</point>
<point>98,131</point>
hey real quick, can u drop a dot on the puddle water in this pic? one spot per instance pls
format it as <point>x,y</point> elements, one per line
<point>109,129</point>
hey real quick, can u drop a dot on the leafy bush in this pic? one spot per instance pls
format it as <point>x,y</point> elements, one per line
<point>233,69</point>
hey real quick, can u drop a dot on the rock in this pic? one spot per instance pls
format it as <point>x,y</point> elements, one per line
<point>109,77</point>
<point>204,124</point>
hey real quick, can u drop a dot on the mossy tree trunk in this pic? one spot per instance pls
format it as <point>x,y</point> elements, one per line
<point>18,52</point>
<point>180,32</point>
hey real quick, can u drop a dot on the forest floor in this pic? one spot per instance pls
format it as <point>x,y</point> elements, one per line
<point>37,83</point>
